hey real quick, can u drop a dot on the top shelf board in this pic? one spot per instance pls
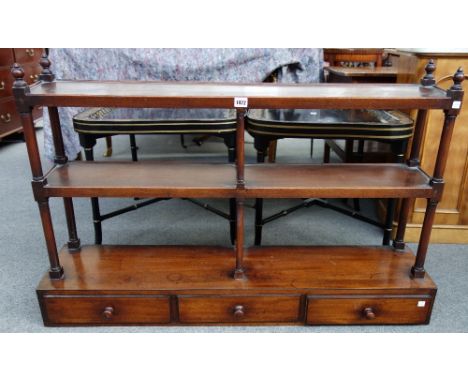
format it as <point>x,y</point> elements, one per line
<point>221,95</point>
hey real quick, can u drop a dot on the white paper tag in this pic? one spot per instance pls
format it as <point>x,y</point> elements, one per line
<point>241,102</point>
<point>456,104</point>
<point>421,304</point>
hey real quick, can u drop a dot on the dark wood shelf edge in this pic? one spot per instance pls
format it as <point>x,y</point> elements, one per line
<point>183,95</point>
<point>262,180</point>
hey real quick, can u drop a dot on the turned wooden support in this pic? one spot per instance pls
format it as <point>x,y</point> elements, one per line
<point>73,239</point>
<point>418,136</point>
<point>239,273</point>
<point>240,149</point>
<point>414,161</point>
<point>46,74</point>
<point>60,156</point>
<point>61,159</point>
<point>21,90</point>
<point>399,242</point>
<point>437,181</point>
<point>428,79</point>
<point>56,270</point>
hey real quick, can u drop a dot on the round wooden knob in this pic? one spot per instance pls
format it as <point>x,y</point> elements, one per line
<point>239,311</point>
<point>369,313</point>
<point>108,312</point>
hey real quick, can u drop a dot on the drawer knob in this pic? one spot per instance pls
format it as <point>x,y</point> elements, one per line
<point>239,311</point>
<point>108,312</point>
<point>30,52</point>
<point>2,85</point>
<point>5,118</point>
<point>369,313</point>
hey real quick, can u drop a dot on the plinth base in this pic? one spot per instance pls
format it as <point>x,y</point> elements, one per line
<point>164,285</point>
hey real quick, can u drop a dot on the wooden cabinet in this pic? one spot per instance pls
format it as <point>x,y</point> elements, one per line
<point>451,220</point>
<point>180,285</point>
<point>29,58</point>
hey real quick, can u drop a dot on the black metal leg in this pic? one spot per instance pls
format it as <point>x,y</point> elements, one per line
<point>133,148</point>
<point>96,221</point>
<point>232,220</point>
<point>388,225</point>
<point>261,147</point>
<point>356,205</point>
<point>231,154</point>
<point>230,142</point>
<point>258,221</point>
<point>89,155</point>
<point>326,152</point>
<point>360,152</point>
<point>182,141</point>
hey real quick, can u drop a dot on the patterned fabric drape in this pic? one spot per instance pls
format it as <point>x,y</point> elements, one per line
<point>218,65</point>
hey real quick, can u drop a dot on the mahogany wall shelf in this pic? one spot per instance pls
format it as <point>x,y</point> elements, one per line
<point>187,285</point>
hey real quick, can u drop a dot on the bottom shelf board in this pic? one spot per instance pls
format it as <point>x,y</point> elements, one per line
<point>189,269</point>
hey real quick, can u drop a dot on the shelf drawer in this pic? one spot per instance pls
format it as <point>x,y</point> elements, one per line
<point>6,57</point>
<point>9,118</point>
<point>336,310</point>
<point>31,73</point>
<point>27,55</point>
<point>108,310</point>
<point>238,309</point>
<point>6,82</point>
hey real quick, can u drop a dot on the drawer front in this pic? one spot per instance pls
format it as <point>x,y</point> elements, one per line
<point>368,310</point>
<point>238,309</point>
<point>9,118</point>
<point>6,57</point>
<point>6,82</point>
<point>106,310</point>
<point>27,55</point>
<point>31,73</point>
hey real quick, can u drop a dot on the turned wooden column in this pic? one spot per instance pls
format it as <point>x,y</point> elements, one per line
<point>414,161</point>
<point>239,272</point>
<point>437,181</point>
<point>20,90</point>
<point>60,156</point>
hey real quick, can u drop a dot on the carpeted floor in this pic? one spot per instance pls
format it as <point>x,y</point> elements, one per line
<point>23,258</point>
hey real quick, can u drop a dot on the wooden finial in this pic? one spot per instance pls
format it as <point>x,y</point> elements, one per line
<point>458,78</point>
<point>18,73</point>
<point>428,79</point>
<point>46,74</point>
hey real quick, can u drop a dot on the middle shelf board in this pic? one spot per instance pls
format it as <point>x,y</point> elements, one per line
<point>207,180</point>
